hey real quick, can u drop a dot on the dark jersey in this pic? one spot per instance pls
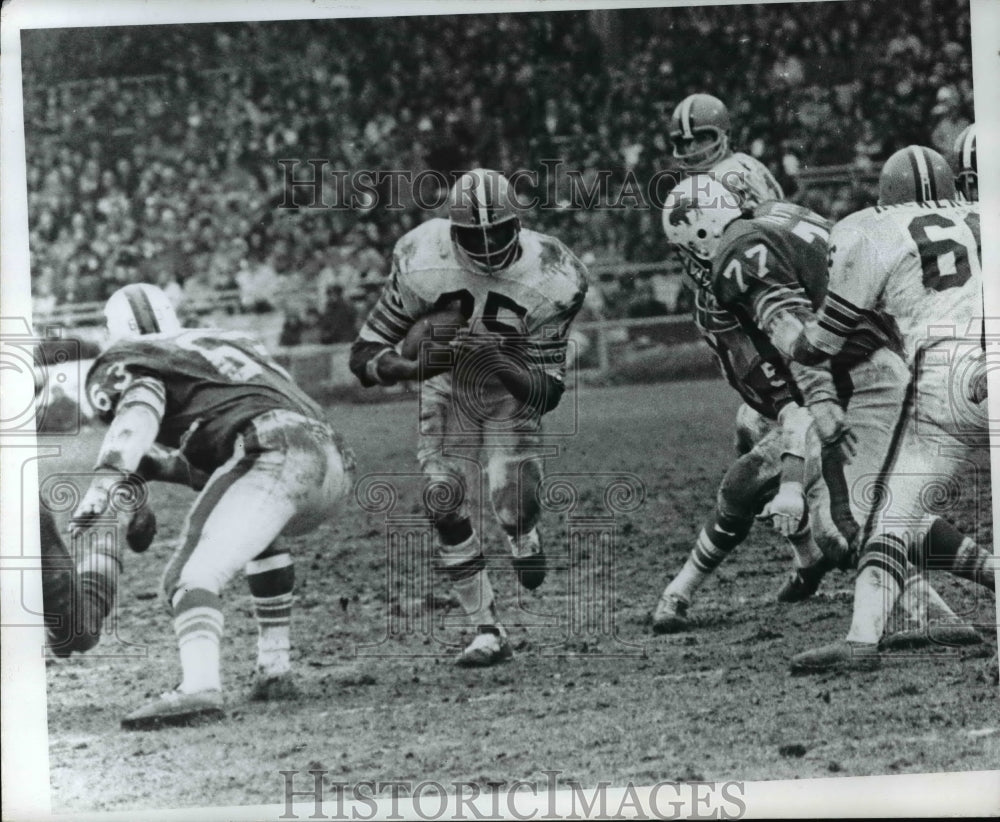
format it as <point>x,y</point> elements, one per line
<point>215,382</point>
<point>776,262</point>
<point>748,360</point>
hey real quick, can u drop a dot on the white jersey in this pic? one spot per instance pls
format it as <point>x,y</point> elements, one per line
<point>534,299</point>
<point>917,263</point>
<point>747,177</point>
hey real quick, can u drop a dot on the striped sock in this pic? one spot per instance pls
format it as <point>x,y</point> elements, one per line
<point>715,542</point>
<point>271,581</point>
<point>198,623</point>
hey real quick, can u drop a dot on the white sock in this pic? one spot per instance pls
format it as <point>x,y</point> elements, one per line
<point>475,595</point>
<point>687,581</point>
<point>199,634</point>
<point>875,595</point>
<point>274,641</point>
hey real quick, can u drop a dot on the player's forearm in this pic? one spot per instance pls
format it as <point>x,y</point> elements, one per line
<point>375,363</point>
<point>131,434</point>
<point>162,465</point>
<point>796,423</point>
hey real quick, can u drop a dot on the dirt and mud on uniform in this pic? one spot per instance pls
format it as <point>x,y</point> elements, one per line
<point>529,304</point>
<point>276,467</point>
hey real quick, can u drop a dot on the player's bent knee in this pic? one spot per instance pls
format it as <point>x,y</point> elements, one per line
<point>747,486</point>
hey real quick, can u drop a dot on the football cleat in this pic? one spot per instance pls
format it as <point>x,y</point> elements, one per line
<point>695,213</point>
<point>138,309</point>
<point>837,656</point>
<point>804,582</point>
<point>922,618</point>
<point>915,174</point>
<point>141,530</point>
<point>173,709</point>
<point>699,131</point>
<point>274,688</point>
<point>528,559</point>
<point>490,647</point>
<point>671,616</point>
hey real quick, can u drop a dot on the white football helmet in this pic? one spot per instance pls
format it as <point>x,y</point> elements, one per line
<point>484,223</point>
<point>137,310</point>
<point>695,214</point>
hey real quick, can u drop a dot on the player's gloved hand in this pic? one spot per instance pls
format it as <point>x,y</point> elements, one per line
<point>97,500</point>
<point>786,510</point>
<point>832,428</point>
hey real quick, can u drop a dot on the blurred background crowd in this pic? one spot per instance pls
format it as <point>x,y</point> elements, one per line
<point>153,152</point>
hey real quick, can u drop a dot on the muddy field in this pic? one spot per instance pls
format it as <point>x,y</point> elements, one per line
<point>590,692</point>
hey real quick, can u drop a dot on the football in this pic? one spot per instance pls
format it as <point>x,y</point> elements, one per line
<point>441,326</point>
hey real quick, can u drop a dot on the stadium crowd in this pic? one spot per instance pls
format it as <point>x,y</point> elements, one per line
<point>158,162</point>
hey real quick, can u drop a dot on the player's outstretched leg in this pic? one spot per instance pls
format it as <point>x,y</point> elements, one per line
<point>459,556</point>
<point>460,559</point>
<point>720,535</point>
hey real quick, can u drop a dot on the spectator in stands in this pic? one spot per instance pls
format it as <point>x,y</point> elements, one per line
<point>950,122</point>
<point>182,165</point>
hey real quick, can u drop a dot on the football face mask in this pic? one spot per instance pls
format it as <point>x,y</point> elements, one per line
<point>489,248</point>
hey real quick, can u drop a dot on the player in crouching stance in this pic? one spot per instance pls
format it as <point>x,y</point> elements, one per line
<point>274,467</point>
<point>914,256</point>
<point>776,476</point>
<point>518,292</point>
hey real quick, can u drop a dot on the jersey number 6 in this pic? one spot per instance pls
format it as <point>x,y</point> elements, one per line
<point>944,252</point>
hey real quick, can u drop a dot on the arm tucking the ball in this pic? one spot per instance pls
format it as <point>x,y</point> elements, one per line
<point>514,365</point>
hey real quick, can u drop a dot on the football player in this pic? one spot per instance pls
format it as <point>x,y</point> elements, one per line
<point>518,292</point>
<point>770,478</point>
<point>966,168</point>
<point>699,131</point>
<point>768,268</point>
<point>273,464</point>
<point>914,256</point>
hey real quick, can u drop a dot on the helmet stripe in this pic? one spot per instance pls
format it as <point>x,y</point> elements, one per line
<point>142,310</point>
<point>969,148</point>
<point>686,117</point>
<point>921,175</point>
<point>483,195</point>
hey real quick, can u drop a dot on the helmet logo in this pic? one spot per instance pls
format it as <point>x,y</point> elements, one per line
<point>679,213</point>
